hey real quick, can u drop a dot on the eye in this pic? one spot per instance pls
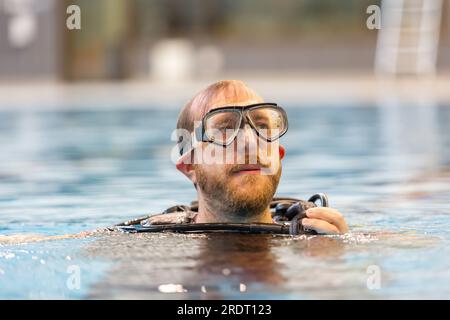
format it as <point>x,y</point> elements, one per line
<point>225,125</point>
<point>223,121</point>
<point>262,124</point>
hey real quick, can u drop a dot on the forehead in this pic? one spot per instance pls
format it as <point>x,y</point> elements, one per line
<point>232,96</point>
<point>240,102</point>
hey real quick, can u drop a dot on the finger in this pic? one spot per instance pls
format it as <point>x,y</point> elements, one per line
<point>320,226</point>
<point>328,214</point>
<point>324,213</point>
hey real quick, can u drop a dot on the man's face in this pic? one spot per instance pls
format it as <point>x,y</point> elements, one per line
<point>244,177</point>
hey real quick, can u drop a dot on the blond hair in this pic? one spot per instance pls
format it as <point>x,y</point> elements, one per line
<point>217,94</point>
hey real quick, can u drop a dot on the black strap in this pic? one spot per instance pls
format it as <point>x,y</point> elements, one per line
<point>211,227</point>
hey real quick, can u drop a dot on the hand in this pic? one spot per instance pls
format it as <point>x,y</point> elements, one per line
<point>325,221</point>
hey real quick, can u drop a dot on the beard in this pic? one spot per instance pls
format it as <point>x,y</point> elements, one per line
<point>247,197</point>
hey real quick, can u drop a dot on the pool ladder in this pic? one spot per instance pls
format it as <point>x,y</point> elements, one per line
<point>409,37</point>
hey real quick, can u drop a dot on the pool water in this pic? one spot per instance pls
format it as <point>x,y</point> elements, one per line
<point>386,168</point>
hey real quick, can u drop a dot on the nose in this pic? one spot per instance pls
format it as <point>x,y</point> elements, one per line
<point>250,144</point>
<point>249,134</point>
<point>246,145</point>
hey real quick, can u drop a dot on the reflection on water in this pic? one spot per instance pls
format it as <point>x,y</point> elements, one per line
<point>213,265</point>
<point>63,172</point>
<point>217,266</point>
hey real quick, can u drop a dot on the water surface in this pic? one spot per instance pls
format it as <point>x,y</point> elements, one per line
<point>386,169</point>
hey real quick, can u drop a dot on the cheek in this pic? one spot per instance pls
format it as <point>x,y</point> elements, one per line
<point>271,150</point>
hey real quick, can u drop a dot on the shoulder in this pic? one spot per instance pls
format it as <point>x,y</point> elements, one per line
<point>178,217</point>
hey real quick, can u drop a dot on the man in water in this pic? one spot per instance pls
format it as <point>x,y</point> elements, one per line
<point>239,125</point>
<point>225,120</point>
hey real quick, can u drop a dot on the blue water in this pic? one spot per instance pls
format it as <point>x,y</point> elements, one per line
<point>386,168</point>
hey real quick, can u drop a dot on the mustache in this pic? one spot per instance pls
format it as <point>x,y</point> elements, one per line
<point>249,164</point>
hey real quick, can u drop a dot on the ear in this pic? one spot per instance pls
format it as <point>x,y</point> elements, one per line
<point>187,169</point>
<point>282,151</point>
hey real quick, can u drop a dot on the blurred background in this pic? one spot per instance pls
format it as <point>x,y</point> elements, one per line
<point>195,39</point>
<point>291,48</point>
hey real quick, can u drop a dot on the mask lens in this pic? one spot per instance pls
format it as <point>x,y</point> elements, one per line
<point>222,126</point>
<point>270,122</point>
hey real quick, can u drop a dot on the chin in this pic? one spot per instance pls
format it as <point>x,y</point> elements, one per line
<point>251,185</point>
<point>249,180</point>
